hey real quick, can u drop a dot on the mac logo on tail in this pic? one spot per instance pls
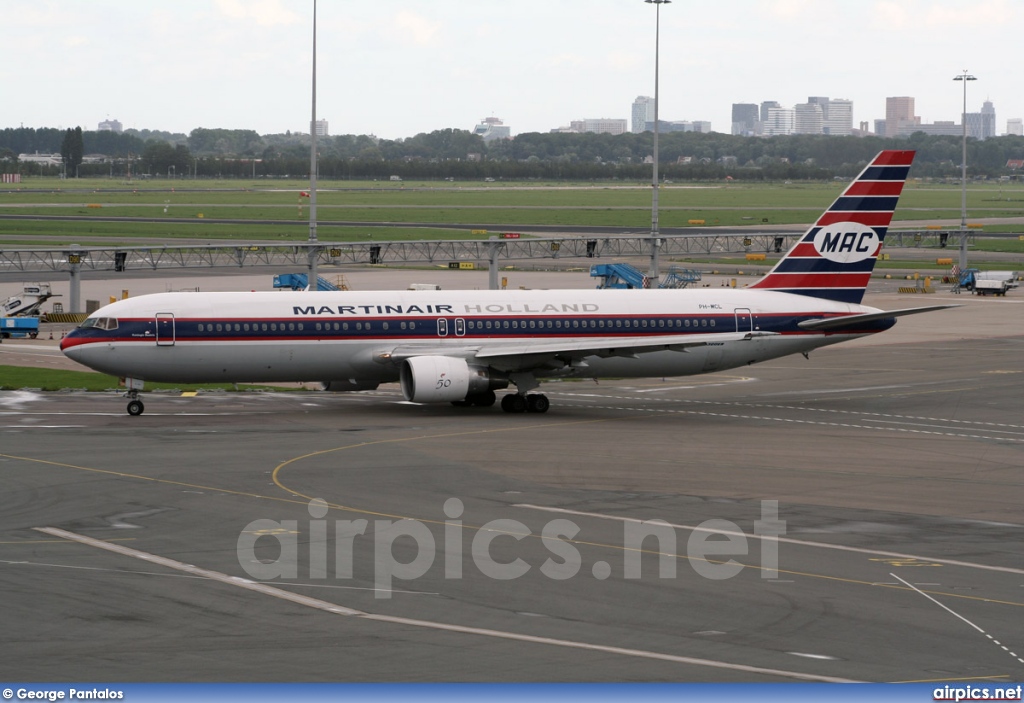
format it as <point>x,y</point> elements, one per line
<point>847,242</point>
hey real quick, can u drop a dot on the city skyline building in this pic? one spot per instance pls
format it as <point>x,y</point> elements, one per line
<point>988,120</point>
<point>780,120</point>
<point>839,118</point>
<point>897,110</point>
<point>642,114</point>
<point>1015,125</point>
<point>745,119</point>
<point>491,128</point>
<point>808,118</point>
<point>600,125</point>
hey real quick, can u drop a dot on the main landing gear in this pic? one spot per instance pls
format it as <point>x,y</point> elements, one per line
<point>532,403</point>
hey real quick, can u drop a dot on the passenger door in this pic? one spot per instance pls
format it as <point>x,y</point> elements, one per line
<point>165,329</point>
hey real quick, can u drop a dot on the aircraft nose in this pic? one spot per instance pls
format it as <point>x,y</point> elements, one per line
<point>68,342</point>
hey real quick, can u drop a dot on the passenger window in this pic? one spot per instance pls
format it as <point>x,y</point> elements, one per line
<point>385,325</point>
<point>344,326</point>
<point>704,323</point>
<point>219,328</point>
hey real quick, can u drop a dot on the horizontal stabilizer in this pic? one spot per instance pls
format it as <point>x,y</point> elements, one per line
<point>835,323</point>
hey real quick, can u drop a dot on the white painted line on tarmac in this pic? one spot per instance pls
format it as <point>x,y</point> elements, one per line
<point>787,540</point>
<point>326,606</point>
<point>953,612</point>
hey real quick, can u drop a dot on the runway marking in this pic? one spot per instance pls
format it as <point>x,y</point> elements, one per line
<point>188,576</point>
<point>909,558</point>
<point>821,423</point>
<point>39,427</point>
<point>953,612</point>
<point>329,607</point>
<point>798,408</point>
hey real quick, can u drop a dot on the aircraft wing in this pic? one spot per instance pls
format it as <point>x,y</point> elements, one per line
<point>521,355</point>
<point>840,322</point>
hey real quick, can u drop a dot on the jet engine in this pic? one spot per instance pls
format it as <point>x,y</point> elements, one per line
<point>442,379</point>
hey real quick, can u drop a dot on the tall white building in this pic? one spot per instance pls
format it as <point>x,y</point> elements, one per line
<point>808,118</point>
<point>321,128</point>
<point>988,120</point>
<point>779,120</point>
<point>602,125</point>
<point>491,128</point>
<point>1015,125</point>
<point>839,118</point>
<point>643,112</point>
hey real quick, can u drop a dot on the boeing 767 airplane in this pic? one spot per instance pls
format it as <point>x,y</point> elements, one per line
<point>460,347</point>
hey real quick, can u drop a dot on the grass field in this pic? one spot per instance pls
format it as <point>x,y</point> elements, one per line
<point>275,211</point>
<point>18,377</point>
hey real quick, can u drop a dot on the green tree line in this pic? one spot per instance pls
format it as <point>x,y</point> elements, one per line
<point>462,155</point>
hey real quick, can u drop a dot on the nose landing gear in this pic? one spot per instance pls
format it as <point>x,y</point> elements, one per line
<point>135,406</point>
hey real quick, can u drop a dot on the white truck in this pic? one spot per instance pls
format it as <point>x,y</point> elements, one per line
<point>988,282</point>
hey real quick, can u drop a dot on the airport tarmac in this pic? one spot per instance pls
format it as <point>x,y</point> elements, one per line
<point>858,515</point>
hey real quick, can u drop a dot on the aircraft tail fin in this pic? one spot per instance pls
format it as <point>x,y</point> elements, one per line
<point>835,257</point>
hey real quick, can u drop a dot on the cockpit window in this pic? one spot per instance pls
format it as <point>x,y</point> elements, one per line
<point>101,323</point>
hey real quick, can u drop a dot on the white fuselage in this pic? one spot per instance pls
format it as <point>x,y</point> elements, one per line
<point>326,336</point>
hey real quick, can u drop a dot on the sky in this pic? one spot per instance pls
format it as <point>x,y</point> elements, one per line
<point>398,68</point>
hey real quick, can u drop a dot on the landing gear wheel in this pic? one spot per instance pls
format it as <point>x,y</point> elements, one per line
<point>513,403</point>
<point>537,403</point>
<point>135,407</point>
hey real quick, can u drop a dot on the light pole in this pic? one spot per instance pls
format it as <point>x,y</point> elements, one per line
<point>965,76</point>
<point>653,274</point>
<point>314,250</point>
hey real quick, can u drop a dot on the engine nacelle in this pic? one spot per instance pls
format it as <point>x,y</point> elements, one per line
<point>443,379</point>
<point>349,384</point>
